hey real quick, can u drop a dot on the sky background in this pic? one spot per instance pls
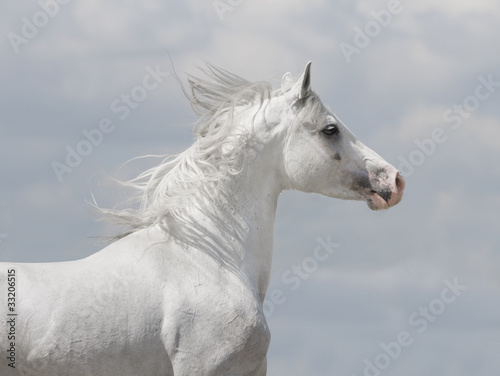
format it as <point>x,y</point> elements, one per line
<point>417,81</point>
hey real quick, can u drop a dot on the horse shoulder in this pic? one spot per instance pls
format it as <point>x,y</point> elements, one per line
<point>205,304</point>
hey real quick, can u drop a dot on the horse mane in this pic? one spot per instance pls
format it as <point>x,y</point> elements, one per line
<point>163,194</point>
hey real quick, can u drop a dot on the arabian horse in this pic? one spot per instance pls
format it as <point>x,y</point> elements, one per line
<point>180,291</point>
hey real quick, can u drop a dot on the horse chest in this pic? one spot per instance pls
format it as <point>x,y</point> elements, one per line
<point>211,314</point>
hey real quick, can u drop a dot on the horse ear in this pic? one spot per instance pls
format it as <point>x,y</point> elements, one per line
<point>286,82</point>
<point>299,89</point>
<point>305,81</point>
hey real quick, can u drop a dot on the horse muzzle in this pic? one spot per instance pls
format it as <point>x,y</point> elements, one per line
<point>387,192</point>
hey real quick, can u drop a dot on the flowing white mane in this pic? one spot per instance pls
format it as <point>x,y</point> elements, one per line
<point>163,193</point>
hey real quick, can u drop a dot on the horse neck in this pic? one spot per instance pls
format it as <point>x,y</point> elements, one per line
<point>243,220</point>
<point>258,196</point>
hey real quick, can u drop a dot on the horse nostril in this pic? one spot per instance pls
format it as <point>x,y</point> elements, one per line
<point>400,183</point>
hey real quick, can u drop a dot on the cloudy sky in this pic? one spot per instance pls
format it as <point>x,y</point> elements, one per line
<point>411,291</point>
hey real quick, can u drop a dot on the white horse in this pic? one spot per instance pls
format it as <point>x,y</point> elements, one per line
<point>181,292</point>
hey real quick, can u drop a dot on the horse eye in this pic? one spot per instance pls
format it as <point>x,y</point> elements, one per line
<point>331,129</point>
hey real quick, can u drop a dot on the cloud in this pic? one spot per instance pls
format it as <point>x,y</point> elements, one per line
<point>346,316</point>
<point>479,139</point>
<point>450,8</point>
